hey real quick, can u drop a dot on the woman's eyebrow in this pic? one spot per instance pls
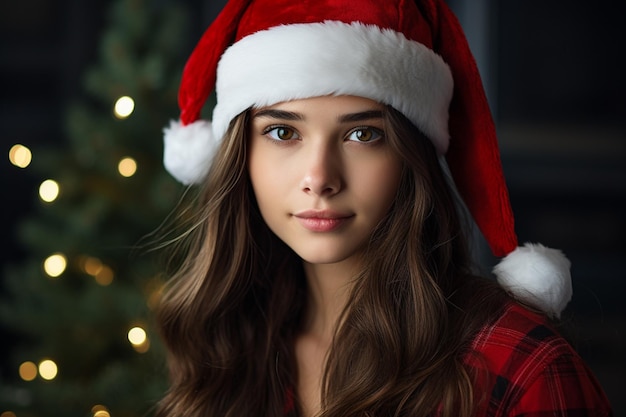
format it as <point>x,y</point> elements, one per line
<point>345,118</point>
<point>278,114</point>
<point>361,116</point>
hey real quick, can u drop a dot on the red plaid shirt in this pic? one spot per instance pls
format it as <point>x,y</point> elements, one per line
<point>525,369</point>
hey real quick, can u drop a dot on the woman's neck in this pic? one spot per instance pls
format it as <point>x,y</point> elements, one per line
<point>328,291</point>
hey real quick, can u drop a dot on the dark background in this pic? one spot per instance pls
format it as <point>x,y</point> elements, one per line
<point>554,73</point>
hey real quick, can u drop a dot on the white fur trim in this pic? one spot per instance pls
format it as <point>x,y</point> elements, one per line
<point>188,150</point>
<point>538,276</point>
<point>333,58</point>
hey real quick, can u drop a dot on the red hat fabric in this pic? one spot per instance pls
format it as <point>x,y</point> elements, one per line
<point>411,55</point>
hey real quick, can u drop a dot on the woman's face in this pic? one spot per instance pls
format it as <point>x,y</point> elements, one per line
<point>323,174</point>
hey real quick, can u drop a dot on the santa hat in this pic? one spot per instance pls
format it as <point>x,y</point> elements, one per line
<point>411,55</point>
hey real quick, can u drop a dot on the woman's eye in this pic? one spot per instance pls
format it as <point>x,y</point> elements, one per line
<point>281,133</point>
<point>365,134</point>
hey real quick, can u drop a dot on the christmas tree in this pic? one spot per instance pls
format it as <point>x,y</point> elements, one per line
<point>80,304</point>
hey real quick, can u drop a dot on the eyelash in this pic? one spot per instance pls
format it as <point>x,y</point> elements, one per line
<point>267,130</point>
<point>379,133</point>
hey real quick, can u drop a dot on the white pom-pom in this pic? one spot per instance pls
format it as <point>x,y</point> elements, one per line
<point>537,276</point>
<point>189,150</point>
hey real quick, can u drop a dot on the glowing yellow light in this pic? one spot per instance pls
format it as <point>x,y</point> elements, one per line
<point>100,411</point>
<point>137,336</point>
<point>139,339</point>
<point>124,107</point>
<point>127,167</point>
<point>49,191</point>
<point>20,156</point>
<point>142,348</point>
<point>55,264</point>
<point>104,277</point>
<point>48,369</point>
<point>28,371</point>
<point>8,414</point>
<point>92,266</point>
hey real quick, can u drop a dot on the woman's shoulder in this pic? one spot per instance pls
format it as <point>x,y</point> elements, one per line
<point>519,331</point>
<point>525,367</point>
<point>518,344</point>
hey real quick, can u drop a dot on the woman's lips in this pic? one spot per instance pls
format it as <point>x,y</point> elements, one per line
<point>322,221</point>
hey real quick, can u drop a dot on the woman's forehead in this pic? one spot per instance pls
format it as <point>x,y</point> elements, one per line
<point>341,101</point>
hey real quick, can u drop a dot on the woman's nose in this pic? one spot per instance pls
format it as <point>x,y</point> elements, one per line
<point>322,169</point>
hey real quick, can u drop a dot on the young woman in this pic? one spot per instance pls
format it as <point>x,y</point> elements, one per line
<point>327,272</point>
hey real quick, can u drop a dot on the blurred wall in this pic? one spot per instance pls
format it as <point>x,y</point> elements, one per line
<point>554,73</point>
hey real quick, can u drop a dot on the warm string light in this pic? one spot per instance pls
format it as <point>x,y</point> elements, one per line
<point>55,265</point>
<point>138,338</point>
<point>103,274</point>
<point>49,190</point>
<point>127,167</point>
<point>100,411</point>
<point>92,266</point>
<point>47,369</point>
<point>28,371</point>
<point>123,107</point>
<point>20,156</point>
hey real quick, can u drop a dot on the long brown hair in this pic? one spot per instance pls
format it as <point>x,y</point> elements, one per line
<point>230,314</point>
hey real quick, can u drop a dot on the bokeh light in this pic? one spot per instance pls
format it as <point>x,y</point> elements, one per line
<point>48,369</point>
<point>104,277</point>
<point>127,167</point>
<point>28,371</point>
<point>139,339</point>
<point>8,414</point>
<point>20,156</point>
<point>100,411</point>
<point>49,191</point>
<point>124,107</point>
<point>137,336</point>
<point>55,265</point>
<point>91,265</point>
